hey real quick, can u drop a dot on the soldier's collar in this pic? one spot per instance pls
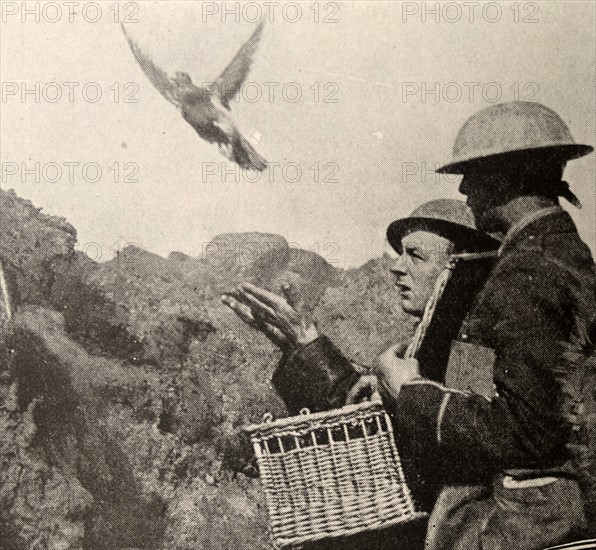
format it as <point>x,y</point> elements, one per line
<point>516,229</point>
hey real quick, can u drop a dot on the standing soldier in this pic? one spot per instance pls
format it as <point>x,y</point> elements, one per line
<point>510,479</point>
<point>510,423</point>
<point>314,374</point>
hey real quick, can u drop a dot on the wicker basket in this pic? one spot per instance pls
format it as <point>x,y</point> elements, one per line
<point>331,474</point>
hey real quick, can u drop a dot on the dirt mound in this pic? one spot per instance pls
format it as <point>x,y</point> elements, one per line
<point>145,308</point>
<point>159,308</point>
<point>32,245</point>
<point>246,254</point>
<point>122,382</point>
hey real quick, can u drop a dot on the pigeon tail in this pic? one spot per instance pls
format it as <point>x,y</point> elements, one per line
<point>245,156</point>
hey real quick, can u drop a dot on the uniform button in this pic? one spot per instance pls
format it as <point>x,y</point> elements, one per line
<point>464,336</point>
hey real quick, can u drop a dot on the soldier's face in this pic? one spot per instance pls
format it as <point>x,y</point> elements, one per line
<point>485,191</point>
<point>424,255</point>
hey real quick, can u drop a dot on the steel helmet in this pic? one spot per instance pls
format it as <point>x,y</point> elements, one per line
<point>515,127</point>
<point>449,218</point>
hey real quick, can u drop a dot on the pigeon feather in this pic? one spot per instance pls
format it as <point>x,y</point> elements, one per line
<point>231,79</point>
<point>207,108</point>
<point>158,78</point>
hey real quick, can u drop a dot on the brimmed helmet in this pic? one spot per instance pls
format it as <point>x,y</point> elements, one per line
<point>449,218</point>
<point>512,128</point>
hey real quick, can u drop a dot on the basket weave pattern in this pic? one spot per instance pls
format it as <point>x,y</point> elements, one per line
<point>331,474</point>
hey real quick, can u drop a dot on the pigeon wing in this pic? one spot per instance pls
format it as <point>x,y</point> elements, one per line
<point>157,77</point>
<point>229,82</point>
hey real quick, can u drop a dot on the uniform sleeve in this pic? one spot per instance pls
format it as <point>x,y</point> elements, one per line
<point>521,426</point>
<point>315,376</point>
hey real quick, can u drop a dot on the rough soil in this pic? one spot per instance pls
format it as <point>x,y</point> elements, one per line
<point>121,383</point>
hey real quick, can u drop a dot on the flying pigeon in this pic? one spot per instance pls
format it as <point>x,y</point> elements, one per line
<point>207,109</point>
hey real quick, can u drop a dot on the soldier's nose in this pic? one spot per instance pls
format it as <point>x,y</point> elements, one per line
<point>463,186</point>
<point>398,267</point>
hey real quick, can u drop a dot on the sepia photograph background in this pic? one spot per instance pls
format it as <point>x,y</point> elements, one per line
<point>354,104</point>
<point>124,380</point>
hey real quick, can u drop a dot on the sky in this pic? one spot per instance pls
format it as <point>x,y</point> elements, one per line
<point>353,104</point>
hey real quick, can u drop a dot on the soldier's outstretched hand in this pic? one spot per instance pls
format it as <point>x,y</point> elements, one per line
<point>279,318</point>
<point>234,302</point>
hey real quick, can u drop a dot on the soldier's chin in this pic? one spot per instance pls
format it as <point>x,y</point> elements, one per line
<point>488,221</point>
<point>410,307</point>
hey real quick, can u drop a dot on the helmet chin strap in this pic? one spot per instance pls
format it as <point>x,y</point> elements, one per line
<point>568,194</point>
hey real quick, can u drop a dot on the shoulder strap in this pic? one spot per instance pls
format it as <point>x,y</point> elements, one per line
<point>438,290</point>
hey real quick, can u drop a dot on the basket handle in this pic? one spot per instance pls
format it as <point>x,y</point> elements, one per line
<point>268,417</point>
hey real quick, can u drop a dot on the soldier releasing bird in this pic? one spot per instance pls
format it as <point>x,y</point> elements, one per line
<point>207,109</point>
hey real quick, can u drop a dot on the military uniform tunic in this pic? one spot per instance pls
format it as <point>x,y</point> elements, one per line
<point>496,426</point>
<point>497,423</point>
